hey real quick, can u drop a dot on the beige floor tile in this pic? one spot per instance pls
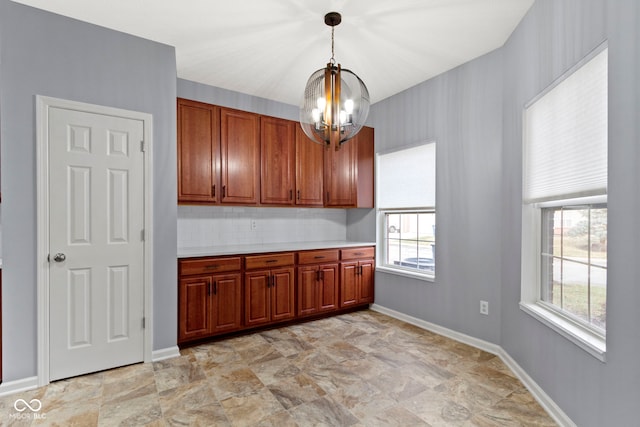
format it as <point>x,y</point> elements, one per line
<point>358,369</point>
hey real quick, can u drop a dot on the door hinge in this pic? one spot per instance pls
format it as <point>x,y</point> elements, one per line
<point>144,322</point>
<point>142,235</point>
<point>142,146</point>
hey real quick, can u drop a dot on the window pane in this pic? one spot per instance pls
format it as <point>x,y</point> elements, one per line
<point>410,240</point>
<point>574,261</point>
<point>575,289</point>
<point>409,226</point>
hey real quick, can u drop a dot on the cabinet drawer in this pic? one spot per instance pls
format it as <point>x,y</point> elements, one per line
<point>357,253</point>
<point>268,261</point>
<point>314,257</point>
<point>209,265</point>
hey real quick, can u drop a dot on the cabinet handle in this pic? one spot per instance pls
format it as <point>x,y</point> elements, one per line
<point>270,261</point>
<point>224,191</point>
<point>298,194</point>
<point>209,289</point>
<point>318,257</point>
<point>211,267</point>
<point>213,191</point>
<point>215,287</point>
<point>358,253</point>
<point>317,275</point>
<point>361,270</point>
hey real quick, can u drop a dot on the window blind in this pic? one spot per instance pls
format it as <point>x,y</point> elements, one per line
<point>407,177</point>
<point>565,136</point>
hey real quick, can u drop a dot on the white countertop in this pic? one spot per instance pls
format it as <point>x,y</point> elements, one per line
<point>267,247</point>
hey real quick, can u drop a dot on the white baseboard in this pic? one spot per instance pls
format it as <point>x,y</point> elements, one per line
<point>17,386</point>
<point>165,353</point>
<point>536,391</point>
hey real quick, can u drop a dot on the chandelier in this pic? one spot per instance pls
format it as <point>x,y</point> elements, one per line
<point>336,102</point>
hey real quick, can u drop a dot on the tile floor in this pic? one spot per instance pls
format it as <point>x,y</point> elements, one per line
<point>358,369</point>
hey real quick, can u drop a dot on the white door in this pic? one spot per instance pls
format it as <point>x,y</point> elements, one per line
<point>96,247</point>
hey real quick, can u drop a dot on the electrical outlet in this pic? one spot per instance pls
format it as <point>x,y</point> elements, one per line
<point>254,224</point>
<point>484,307</point>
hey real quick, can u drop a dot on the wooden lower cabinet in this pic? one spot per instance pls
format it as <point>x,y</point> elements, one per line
<point>269,296</point>
<point>219,295</point>
<point>209,303</point>
<point>318,276</point>
<point>356,277</point>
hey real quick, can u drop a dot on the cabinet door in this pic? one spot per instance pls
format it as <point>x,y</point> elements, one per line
<point>198,152</point>
<point>227,303</point>
<point>328,290</point>
<point>240,155</point>
<point>308,290</point>
<point>257,307</point>
<point>348,284</point>
<point>340,175</point>
<point>309,170</point>
<point>366,281</point>
<point>365,161</point>
<point>194,320</point>
<point>277,145</point>
<point>282,294</point>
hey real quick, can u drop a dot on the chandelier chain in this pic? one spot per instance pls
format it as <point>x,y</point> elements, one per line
<point>333,60</point>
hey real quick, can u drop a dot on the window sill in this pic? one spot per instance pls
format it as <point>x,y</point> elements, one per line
<point>406,273</point>
<point>583,338</point>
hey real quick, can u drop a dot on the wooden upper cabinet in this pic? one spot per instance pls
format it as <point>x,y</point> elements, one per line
<point>349,179</point>
<point>240,155</point>
<point>309,170</point>
<point>277,145</point>
<point>198,152</point>
<point>365,159</point>
<point>340,175</point>
<point>235,157</point>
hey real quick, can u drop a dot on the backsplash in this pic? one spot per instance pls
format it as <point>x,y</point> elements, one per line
<point>201,226</point>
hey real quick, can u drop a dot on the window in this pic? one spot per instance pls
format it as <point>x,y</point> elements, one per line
<point>564,213</point>
<point>574,262</point>
<point>410,240</point>
<point>406,206</point>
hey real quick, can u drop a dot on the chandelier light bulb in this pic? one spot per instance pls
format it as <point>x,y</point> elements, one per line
<point>348,106</point>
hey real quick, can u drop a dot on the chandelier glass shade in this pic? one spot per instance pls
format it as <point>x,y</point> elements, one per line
<point>336,102</point>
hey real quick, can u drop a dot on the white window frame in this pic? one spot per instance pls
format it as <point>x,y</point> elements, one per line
<point>382,257</point>
<point>585,337</point>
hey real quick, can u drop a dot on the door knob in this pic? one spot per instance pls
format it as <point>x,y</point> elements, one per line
<point>59,257</point>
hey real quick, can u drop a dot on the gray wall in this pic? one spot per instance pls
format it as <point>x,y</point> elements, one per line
<point>462,111</point>
<point>227,98</point>
<point>474,113</point>
<point>46,54</point>
<point>552,38</point>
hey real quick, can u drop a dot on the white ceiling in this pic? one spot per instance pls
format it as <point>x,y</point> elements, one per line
<point>269,48</point>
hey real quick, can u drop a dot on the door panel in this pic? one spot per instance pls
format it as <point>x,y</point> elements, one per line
<point>227,302</point>
<point>282,292</point>
<point>257,301</point>
<point>366,281</point>
<point>307,290</point>
<point>96,217</point>
<point>348,284</point>
<point>240,145</point>
<point>329,287</point>
<point>195,319</point>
